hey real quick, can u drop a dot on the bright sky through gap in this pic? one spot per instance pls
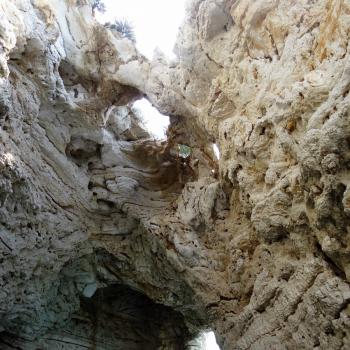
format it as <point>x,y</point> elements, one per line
<point>210,341</point>
<point>216,151</point>
<point>156,22</point>
<point>155,123</point>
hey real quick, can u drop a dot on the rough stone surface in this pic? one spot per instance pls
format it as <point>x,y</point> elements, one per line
<point>108,238</point>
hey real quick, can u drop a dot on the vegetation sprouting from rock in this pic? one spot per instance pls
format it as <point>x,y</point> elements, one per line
<point>123,27</point>
<point>184,151</point>
<point>99,6</point>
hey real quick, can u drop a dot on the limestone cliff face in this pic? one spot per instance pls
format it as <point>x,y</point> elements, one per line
<point>111,240</point>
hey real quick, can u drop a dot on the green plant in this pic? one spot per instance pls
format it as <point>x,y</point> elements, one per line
<point>184,151</point>
<point>98,5</point>
<point>125,28</point>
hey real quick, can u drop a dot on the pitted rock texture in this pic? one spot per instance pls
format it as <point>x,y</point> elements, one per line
<point>99,223</point>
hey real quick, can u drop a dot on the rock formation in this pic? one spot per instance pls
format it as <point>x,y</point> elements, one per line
<point>110,240</point>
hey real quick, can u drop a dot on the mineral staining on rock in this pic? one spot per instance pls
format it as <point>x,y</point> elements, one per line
<point>109,239</point>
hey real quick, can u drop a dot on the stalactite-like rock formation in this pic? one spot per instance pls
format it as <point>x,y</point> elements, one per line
<point>111,240</point>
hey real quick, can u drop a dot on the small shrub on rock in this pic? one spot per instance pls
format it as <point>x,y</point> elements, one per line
<point>123,27</point>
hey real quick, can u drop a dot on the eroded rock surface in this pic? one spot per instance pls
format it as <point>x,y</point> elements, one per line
<point>99,224</point>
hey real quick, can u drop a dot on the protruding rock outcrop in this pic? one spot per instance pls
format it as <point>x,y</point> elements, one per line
<point>108,238</point>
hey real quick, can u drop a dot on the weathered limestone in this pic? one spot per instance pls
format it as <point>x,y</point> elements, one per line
<point>99,224</point>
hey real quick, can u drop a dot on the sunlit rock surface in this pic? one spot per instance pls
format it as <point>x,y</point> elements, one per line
<point>109,239</point>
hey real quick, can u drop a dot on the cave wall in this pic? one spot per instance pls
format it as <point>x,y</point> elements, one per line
<point>253,245</point>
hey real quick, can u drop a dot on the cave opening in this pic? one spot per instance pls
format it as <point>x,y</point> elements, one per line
<point>120,317</point>
<point>134,322</point>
